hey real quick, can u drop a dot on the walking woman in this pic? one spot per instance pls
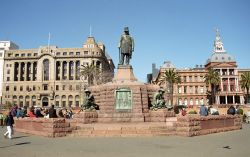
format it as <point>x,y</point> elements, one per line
<point>9,121</point>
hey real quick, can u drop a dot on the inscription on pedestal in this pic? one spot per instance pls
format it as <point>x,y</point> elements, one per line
<point>123,99</point>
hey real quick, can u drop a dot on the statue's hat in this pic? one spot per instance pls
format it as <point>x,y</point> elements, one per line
<point>86,90</point>
<point>126,29</point>
<point>161,90</point>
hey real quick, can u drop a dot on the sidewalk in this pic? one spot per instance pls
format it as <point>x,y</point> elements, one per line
<point>235,143</point>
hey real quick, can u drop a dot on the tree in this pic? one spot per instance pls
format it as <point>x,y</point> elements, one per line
<point>91,72</point>
<point>245,84</point>
<point>170,77</point>
<point>212,78</point>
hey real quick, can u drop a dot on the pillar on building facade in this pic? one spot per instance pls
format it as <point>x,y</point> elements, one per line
<point>31,71</point>
<point>19,71</point>
<point>61,69</point>
<point>233,100</point>
<point>25,71</point>
<point>68,69</point>
<point>228,85</point>
<point>226,99</point>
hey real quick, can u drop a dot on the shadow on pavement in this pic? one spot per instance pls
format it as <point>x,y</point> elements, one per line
<point>17,144</point>
<point>19,137</point>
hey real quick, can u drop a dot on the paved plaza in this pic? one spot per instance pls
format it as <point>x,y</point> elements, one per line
<point>230,144</point>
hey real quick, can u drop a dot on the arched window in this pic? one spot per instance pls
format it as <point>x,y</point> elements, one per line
<point>46,69</point>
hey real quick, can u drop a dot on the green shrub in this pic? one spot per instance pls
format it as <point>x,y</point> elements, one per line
<point>240,111</point>
<point>192,112</point>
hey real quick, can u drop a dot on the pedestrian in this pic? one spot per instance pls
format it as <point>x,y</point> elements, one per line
<point>52,112</point>
<point>9,121</point>
<point>231,110</point>
<point>203,110</point>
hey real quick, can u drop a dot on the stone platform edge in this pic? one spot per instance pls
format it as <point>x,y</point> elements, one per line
<point>190,125</point>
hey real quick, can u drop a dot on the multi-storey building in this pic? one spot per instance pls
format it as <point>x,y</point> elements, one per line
<point>51,75</point>
<point>4,46</point>
<point>226,66</point>
<point>193,90</point>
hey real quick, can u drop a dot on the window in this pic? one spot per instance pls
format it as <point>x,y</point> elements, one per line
<point>63,87</point>
<point>8,78</point>
<point>58,53</point>
<point>70,87</point>
<point>8,71</point>
<point>86,52</point>
<point>195,78</point>
<point>64,53</point>
<point>21,88</point>
<point>9,54</point>
<point>71,53</point>
<point>45,87</point>
<point>77,87</point>
<point>34,88</point>
<point>78,53</point>
<point>184,79</point>
<point>196,89</point>
<point>196,101</point>
<point>22,54</point>
<point>16,55</point>
<point>191,89</point>
<point>232,88</point>
<point>191,101</point>
<point>179,89</point>
<point>185,89</point>
<point>35,54</point>
<point>14,88</point>
<point>27,88</point>
<point>224,87</point>
<point>57,87</point>
<point>202,89</point>
<point>190,79</point>
<point>7,88</point>
<point>29,54</point>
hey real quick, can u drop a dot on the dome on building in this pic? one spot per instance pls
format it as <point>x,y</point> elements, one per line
<point>221,57</point>
<point>168,65</point>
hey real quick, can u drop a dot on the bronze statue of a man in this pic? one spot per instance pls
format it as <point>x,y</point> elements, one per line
<point>126,47</point>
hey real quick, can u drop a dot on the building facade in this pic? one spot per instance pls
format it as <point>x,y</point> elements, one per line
<point>4,46</point>
<point>193,90</point>
<point>51,75</point>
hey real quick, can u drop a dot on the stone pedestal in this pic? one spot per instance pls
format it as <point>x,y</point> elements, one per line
<point>86,117</point>
<point>160,115</point>
<point>124,73</point>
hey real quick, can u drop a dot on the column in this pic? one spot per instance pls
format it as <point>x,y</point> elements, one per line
<point>226,99</point>
<point>236,85</point>
<point>31,71</point>
<point>68,69</point>
<point>228,85</point>
<point>73,70</point>
<point>233,100</point>
<point>25,71</point>
<point>61,69</point>
<point>19,71</point>
<point>221,84</point>
<point>221,71</point>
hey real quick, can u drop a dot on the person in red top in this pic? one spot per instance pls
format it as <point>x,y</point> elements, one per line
<point>31,113</point>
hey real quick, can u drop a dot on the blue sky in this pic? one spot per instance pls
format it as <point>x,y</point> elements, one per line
<point>181,31</point>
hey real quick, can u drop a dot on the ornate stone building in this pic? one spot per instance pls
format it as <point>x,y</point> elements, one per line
<point>193,90</point>
<point>51,75</point>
